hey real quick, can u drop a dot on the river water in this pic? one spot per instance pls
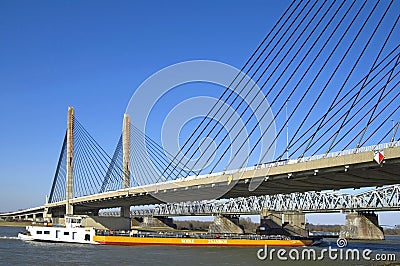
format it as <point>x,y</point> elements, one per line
<point>16,252</point>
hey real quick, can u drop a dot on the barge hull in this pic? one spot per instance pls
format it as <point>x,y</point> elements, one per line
<point>134,241</point>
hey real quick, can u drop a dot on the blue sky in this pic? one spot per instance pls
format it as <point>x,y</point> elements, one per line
<point>93,55</point>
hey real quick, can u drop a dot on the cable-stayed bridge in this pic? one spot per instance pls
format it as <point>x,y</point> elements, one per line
<point>321,114</point>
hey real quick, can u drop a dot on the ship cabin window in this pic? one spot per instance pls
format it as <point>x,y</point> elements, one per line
<point>87,237</point>
<point>46,232</point>
<point>66,233</point>
<point>39,232</point>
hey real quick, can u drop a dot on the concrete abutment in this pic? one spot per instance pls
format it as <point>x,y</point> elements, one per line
<point>283,223</point>
<point>362,226</point>
<point>157,222</point>
<point>228,224</point>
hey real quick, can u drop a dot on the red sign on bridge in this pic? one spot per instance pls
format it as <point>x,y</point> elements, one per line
<point>379,156</point>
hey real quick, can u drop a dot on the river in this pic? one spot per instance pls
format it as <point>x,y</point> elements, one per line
<point>16,252</point>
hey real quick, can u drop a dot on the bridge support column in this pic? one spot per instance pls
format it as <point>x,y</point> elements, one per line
<point>125,212</point>
<point>286,223</point>
<point>126,155</point>
<point>69,189</point>
<point>226,224</point>
<point>157,222</point>
<point>46,215</point>
<point>364,226</point>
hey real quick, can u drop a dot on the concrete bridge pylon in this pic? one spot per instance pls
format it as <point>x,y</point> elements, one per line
<point>126,153</point>
<point>69,189</point>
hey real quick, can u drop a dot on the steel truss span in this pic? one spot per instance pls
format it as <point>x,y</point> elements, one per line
<point>381,199</point>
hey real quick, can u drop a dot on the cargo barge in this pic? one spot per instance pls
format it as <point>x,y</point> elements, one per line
<point>73,232</point>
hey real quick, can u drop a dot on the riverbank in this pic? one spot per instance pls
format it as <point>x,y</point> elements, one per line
<point>15,224</point>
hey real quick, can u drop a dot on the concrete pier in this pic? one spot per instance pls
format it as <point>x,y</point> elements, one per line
<point>228,224</point>
<point>47,215</point>
<point>286,223</point>
<point>157,222</point>
<point>362,226</point>
<point>136,221</point>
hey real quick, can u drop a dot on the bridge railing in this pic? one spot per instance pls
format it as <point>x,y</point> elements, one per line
<point>318,157</point>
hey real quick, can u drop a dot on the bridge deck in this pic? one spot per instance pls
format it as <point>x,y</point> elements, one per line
<point>336,172</point>
<point>346,171</point>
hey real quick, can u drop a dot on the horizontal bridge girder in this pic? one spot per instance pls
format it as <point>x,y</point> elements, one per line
<point>382,199</point>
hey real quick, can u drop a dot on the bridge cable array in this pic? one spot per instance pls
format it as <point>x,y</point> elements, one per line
<point>149,159</point>
<point>57,192</point>
<point>226,92</point>
<point>94,170</point>
<point>311,58</point>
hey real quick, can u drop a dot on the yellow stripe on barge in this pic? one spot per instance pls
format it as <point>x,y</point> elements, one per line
<point>127,241</point>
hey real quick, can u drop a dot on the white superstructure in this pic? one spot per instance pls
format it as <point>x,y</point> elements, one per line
<point>73,232</point>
